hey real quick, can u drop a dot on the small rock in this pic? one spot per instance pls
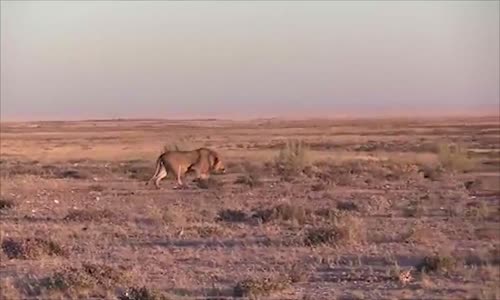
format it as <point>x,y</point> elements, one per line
<point>56,201</point>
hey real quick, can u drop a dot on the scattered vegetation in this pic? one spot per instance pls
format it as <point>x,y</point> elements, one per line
<point>254,288</point>
<point>90,215</point>
<point>283,212</point>
<point>348,230</point>
<point>455,157</point>
<point>89,276</point>
<point>347,205</point>
<point>31,248</point>
<point>292,158</point>
<point>431,172</point>
<point>232,215</point>
<point>137,169</point>
<point>249,179</point>
<point>415,209</point>
<point>439,263</point>
<point>299,272</point>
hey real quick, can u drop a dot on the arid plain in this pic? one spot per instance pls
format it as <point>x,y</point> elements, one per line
<point>317,209</point>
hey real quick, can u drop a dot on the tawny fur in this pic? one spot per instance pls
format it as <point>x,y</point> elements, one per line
<point>202,161</point>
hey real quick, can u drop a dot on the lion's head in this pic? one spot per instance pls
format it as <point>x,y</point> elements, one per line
<point>217,164</point>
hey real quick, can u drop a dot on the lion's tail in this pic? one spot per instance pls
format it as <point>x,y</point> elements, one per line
<point>159,166</point>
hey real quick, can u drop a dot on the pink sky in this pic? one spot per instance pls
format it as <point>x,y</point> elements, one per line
<point>160,59</point>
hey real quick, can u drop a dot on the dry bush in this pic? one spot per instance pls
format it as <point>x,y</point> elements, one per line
<point>209,183</point>
<point>91,215</point>
<point>88,276</point>
<point>438,263</point>
<point>142,293</point>
<point>299,272</point>
<point>135,169</point>
<point>347,206</point>
<point>293,158</point>
<point>206,231</point>
<point>6,204</point>
<point>256,288</point>
<point>232,215</point>
<point>433,173</point>
<point>31,248</point>
<point>345,230</point>
<point>249,179</point>
<point>283,212</point>
<point>415,209</point>
<point>172,216</point>
<point>455,157</point>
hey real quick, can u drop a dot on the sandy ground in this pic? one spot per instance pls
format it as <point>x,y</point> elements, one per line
<point>376,210</point>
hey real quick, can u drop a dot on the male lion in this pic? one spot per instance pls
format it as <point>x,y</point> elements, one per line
<point>202,161</point>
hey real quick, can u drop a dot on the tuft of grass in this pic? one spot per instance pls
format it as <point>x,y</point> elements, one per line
<point>250,179</point>
<point>90,215</point>
<point>6,204</point>
<point>232,215</point>
<point>347,230</point>
<point>31,248</point>
<point>254,288</point>
<point>415,209</point>
<point>454,157</point>
<point>173,216</point>
<point>88,276</point>
<point>347,206</point>
<point>142,293</point>
<point>299,272</point>
<point>283,212</point>
<point>431,172</point>
<point>292,158</point>
<point>439,263</point>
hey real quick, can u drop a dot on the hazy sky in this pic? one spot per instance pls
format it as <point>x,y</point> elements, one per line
<point>100,59</point>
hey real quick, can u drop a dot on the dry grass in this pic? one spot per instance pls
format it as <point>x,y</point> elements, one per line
<point>87,276</point>
<point>91,215</point>
<point>249,179</point>
<point>255,288</point>
<point>455,157</point>
<point>232,215</point>
<point>283,212</point>
<point>345,230</point>
<point>31,248</point>
<point>292,158</point>
<point>210,183</point>
<point>438,263</point>
<point>331,220</point>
